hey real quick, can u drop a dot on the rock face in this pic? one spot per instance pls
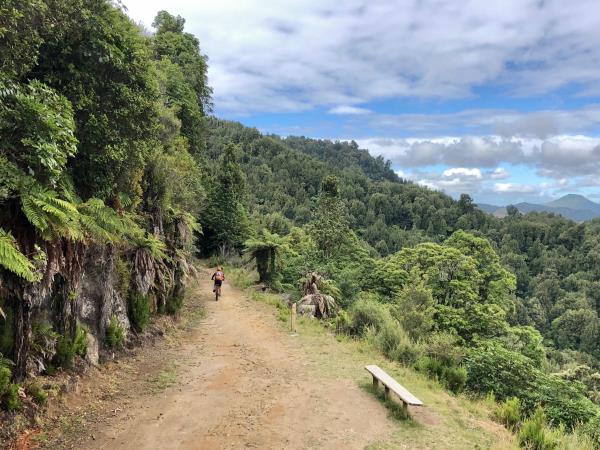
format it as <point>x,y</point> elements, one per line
<point>85,285</point>
<point>98,300</point>
<point>89,297</point>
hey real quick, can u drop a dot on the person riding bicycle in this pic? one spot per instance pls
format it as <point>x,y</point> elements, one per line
<point>219,277</point>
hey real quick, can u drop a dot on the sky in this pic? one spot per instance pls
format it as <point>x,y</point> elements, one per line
<point>496,98</point>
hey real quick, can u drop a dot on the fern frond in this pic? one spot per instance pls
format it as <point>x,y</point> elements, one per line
<point>152,244</point>
<point>52,216</point>
<point>13,260</point>
<point>101,222</point>
<point>62,204</point>
<point>190,221</point>
<point>51,210</point>
<point>31,211</point>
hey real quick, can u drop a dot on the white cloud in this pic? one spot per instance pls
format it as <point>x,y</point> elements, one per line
<point>453,181</point>
<point>557,157</point>
<point>268,55</point>
<point>516,188</point>
<point>541,124</point>
<point>350,110</point>
<point>499,173</point>
<point>461,171</point>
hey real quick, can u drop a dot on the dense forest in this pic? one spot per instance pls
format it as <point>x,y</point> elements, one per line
<point>113,175</point>
<point>100,180</point>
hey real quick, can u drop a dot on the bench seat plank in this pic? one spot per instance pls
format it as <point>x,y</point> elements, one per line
<point>393,385</point>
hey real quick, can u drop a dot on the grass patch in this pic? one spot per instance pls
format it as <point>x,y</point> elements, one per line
<point>394,407</point>
<point>195,314</point>
<point>41,438</point>
<point>239,277</point>
<point>283,311</point>
<point>72,425</point>
<point>164,379</point>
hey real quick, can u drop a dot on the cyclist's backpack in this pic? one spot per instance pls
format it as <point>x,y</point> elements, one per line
<point>219,276</point>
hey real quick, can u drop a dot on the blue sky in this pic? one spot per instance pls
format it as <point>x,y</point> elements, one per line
<point>499,99</point>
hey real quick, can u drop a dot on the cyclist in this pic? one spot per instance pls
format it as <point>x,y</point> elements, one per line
<point>218,277</point>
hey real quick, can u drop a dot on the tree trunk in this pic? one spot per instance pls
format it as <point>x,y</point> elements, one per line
<point>157,222</point>
<point>272,256</point>
<point>22,337</point>
<point>223,250</point>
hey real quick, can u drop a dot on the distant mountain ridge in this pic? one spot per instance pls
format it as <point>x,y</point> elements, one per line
<point>572,206</point>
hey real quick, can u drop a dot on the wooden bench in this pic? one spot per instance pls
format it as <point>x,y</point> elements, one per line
<point>390,384</point>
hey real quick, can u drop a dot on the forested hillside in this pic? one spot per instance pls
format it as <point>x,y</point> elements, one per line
<point>553,259</point>
<point>471,292</point>
<point>112,176</point>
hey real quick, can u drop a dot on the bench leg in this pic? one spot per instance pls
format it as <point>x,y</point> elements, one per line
<point>387,392</point>
<point>375,383</point>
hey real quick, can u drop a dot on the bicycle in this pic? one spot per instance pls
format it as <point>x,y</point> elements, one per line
<point>217,293</point>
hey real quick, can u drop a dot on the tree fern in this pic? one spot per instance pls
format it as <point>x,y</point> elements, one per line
<point>13,260</point>
<point>31,211</point>
<point>52,216</point>
<point>102,223</point>
<point>152,244</point>
<point>264,250</point>
<point>188,219</point>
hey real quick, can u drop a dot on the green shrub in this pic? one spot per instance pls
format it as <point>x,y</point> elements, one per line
<point>508,374</point>
<point>576,440</point>
<point>389,337</point>
<point>432,367</point>
<point>68,347</point>
<point>35,391</point>
<point>329,287</point>
<point>368,313</point>
<point>395,343</point>
<point>347,281</point>
<point>454,378</point>
<point>413,307</point>
<point>508,413</point>
<point>445,347</point>
<point>592,429</point>
<point>174,304</point>
<point>43,343</point>
<point>115,334</point>
<point>215,261</point>
<point>139,311</point>
<point>407,353</point>
<point>123,271</point>
<point>343,322</point>
<point>451,377</point>
<point>535,435</point>
<point>374,319</point>
<point>10,399</point>
<point>5,376</point>
<point>65,352</point>
<point>80,341</point>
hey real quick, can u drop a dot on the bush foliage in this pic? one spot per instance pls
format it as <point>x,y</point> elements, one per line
<point>115,334</point>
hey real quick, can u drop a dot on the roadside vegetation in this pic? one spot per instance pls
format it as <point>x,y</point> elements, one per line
<point>96,230</point>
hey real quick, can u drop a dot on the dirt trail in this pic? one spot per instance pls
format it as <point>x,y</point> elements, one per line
<point>243,384</point>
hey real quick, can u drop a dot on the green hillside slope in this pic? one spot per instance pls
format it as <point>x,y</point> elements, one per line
<point>519,291</point>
